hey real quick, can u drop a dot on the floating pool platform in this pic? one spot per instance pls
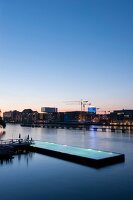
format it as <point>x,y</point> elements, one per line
<point>89,157</point>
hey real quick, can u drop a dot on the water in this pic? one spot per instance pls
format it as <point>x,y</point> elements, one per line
<point>35,176</point>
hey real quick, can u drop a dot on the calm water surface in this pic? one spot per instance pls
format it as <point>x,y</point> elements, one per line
<point>35,176</point>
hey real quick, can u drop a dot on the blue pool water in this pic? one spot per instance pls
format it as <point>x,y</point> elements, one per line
<point>87,153</point>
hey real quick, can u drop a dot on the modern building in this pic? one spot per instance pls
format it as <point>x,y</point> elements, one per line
<point>122,117</point>
<point>54,117</point>
<point>76,117</point>
<point>92,110</point>
<point>49,109</point>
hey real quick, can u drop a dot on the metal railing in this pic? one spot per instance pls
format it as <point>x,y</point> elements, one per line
<point>15,141</point>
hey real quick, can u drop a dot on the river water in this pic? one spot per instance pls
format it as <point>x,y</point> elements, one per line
<point>35,176</point>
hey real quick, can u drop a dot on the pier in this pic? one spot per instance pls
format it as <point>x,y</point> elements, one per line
<point>82,126</point>
<point>10,147</point>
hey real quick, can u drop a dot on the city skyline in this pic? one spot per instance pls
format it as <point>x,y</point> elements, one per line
<point>56,51</point>
<point>74,109</point>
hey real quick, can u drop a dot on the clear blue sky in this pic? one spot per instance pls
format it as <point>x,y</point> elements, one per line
<point>57,50</point>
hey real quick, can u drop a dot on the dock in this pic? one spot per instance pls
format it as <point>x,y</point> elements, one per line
<point>13,146</point>
<point>89,157</point>
<point>83,126</point>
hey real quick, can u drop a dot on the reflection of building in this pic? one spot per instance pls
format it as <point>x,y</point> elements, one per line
<point>122,117</point>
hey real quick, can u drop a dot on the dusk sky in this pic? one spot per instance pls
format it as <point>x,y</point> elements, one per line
<point>53,51</point>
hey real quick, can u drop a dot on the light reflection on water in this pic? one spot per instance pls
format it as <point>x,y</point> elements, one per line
<point>35,176</point>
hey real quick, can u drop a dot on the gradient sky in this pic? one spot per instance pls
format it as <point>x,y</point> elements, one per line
<point>53,51</point>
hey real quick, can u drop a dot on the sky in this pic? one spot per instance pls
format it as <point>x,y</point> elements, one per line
<point>53,51</point>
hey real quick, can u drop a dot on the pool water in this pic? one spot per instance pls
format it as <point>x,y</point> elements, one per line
<point>82,152</point>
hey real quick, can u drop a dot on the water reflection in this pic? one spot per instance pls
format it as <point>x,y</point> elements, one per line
<point>25,157</point>
<point>8,162</point>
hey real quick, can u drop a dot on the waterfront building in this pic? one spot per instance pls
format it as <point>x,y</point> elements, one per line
<point>54,117</point>
<point>12,116</point>
<point>101,119</point>
<point>49,109</point>
<point>92,110</point>
<point>122,117</point>
<point>35,117</point>
<point>77,116</point>
<point>7,116</point>
<point>41,116</point>
<point>27,116</point>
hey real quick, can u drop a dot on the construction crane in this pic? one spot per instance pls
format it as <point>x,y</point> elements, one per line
<point>82,103</point>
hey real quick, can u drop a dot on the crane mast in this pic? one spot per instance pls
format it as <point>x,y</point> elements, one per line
<point>82,103</point>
